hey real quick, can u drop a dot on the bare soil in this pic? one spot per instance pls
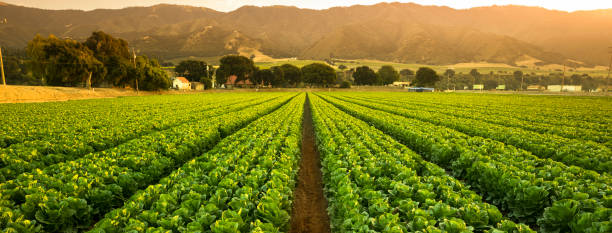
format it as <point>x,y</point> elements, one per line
<point>26,94</point>
<point>309,212</point>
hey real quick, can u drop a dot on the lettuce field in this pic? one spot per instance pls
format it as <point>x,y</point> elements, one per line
<point>308,162</point>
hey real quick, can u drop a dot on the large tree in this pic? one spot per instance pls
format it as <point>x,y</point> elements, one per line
<point>363,75</point>
<point>194,71</point>
<point>279,77</point>
<point>241,66</point>
<point>292,74</point>
<point>262,77</point>
<point>62,62</point>
<point>388,74</point>
<point>149,74</point>
<point>426,77</point>
<point>114,54</point>
<point>518,77</point>
<point>319,74</point>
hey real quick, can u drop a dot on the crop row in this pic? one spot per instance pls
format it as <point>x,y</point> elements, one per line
<point>24,157</point>
<point>70,196</point>
<point>29,122</point>
<point>556,126</point>
<point>243,184</point>
<point>538,191</point>
<point>375,184</point>
<point>586,154</point>
<point>572,112</point>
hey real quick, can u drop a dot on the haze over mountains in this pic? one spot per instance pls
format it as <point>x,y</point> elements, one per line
<point>401,32</point>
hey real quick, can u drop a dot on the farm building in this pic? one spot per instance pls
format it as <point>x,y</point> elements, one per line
<point>568,88</point>
<point>231,82</point>
<point>536,87</point>
<point>198,86</point>
<point>401,84</point>
<point>181,83</point>
<point>501,87</point>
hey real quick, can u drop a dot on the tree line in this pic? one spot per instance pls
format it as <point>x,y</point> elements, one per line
<point>286,75</point>
<point>101,60</point>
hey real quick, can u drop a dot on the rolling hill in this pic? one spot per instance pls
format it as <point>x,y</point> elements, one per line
<point>400,32</point>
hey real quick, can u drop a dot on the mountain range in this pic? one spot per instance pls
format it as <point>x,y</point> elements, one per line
<point>399,32</point>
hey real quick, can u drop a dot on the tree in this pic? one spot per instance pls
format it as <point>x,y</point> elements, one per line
<point>279,77</point>
<point>365,76</point>
<point>406,74</point>
<point>449,74</point>
<point>292,74</point>
<point>319,74</point>
<point>388,74</point>
<point>193,70</point>
<point>113,53</point>
<point>426,77</point>
<point>519,75</point>
<point>150,75</point>
<point>345,84</point>
<point>62,62</point>
<point>240,66</point>
<point>263,77</point>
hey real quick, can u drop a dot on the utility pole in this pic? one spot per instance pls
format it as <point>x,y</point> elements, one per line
<point>607,78</point>
<point>522,78</point>
<point>134,53</point>
<point>563,79</point>
<point>2,68</point>
<point>447,80</point>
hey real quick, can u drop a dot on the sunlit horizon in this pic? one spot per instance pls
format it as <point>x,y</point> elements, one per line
<point>231,5</point>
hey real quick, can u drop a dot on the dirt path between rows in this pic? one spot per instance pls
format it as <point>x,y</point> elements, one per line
<point>309,204</point>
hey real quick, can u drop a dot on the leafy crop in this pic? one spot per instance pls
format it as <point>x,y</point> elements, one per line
<point>526,187</point>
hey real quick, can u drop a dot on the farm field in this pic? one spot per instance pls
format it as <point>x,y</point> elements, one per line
<point>308,162</point>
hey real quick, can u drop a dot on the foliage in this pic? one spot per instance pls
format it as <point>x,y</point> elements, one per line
<point>319,74</point>
<point>521,183</point>
<point>345,84</point>
<point>376,184</point>
<point>425,77</point>
<point>194,70</point>
<point>365,76</point>
<point>240,66</point>
<point>240,185</point>
<point>149,74</point>
<point>292,74</point>
<point>388,74</point>
<point>62,62</point>
<point>263,77</point>
<point>70,195</point>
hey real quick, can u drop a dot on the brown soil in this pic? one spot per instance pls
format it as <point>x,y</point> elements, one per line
<point>309,204</point>
<point>25,94</point>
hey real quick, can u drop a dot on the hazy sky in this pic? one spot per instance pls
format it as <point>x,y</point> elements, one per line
<point>228,5</point>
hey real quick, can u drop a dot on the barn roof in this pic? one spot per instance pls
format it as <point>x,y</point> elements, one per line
<point>182,79</point>
<point>231,80</point>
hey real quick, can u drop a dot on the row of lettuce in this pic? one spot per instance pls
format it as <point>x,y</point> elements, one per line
<point>244,184</point>
<point>540,192</point>
<point>567,110</point>
<point>375,184</point>
<point>586,154</point>
<point>72,195</point>
<point>97,131</point>
<point>508,114</point>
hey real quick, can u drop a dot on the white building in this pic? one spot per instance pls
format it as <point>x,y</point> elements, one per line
<point>181,83</point>
<point>568,88</point>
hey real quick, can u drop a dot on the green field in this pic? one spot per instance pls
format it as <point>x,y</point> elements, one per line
<point>230,162</point>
